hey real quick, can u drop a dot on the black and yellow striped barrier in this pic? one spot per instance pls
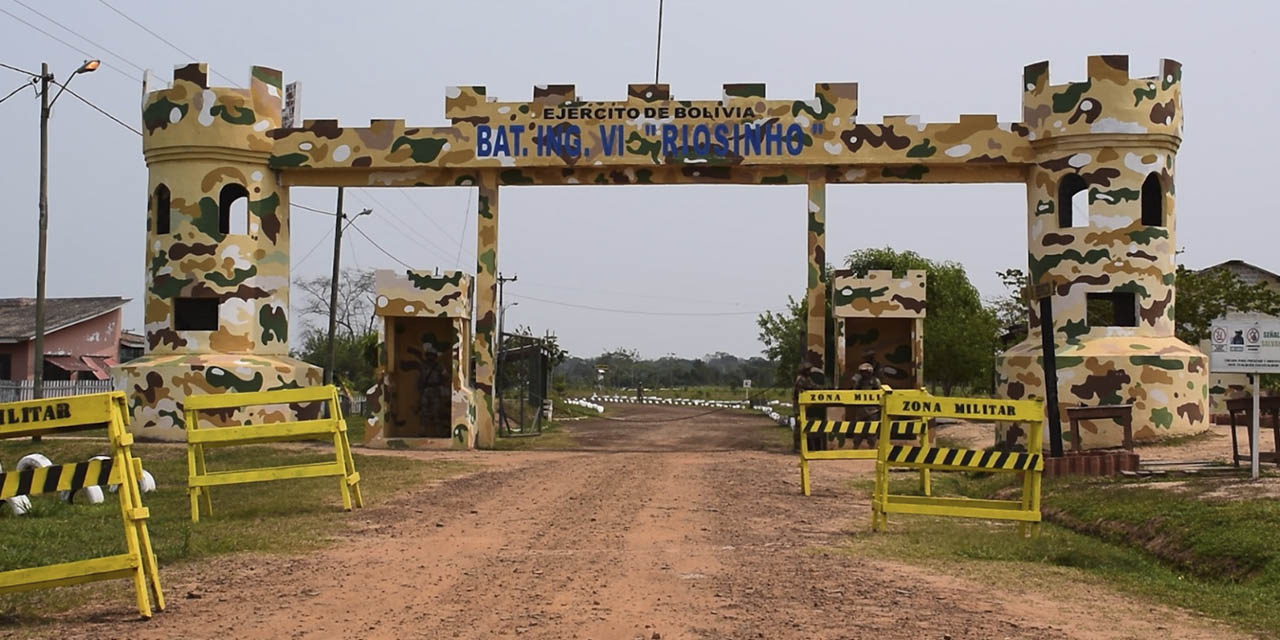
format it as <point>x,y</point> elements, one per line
<point>332,428</point>
<point>78,413</point>
<point>840,432</point>
<point>948,459</point>
<point>909,405</point>
<point>899,428</point>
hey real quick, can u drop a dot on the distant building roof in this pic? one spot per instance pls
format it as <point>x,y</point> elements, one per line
<point>131,339</point>
<point>18,315</point>
<point>1240,263</point>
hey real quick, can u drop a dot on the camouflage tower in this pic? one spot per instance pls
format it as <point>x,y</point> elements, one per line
<point>217,264</point>
<point>1100,230</point>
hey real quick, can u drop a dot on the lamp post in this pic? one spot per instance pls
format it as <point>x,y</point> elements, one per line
<point>46,106</point>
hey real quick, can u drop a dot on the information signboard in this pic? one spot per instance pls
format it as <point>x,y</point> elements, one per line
<point>1247,344</point>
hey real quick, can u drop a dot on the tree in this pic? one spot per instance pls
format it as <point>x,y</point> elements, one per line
<point>783,336</point>
<point>355,341</point>
<point>355,301</point>
<point>1209,294</point>
<point>1011,311</point>
<point>959,332</point>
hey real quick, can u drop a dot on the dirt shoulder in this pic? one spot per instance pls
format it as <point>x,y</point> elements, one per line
<point>657,528</point>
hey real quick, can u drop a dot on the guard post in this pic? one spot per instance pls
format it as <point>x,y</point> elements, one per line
<point>921,405</point>
<point>853,431</point>
<point>199,478</point>
<point>79,413</point>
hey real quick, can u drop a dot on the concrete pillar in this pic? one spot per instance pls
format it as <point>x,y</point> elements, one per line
<point>816,325</point>
<point>486,339</point>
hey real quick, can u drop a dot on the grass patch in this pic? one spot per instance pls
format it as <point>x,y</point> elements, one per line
<point>1215,556</point>
<point>278,517</point>
<point>355,429</point>
<point>1183,440</point>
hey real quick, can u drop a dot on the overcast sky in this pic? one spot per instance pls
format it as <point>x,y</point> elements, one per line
<point>672,249</point>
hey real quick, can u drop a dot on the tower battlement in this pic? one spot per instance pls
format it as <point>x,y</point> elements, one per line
<point>469,102</point>
<point>193,114</point>
<point>879,294</point>
<point>1108,101</point>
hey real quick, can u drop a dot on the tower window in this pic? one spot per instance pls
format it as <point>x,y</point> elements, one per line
<point>161,204</point>
<point>195,314</point>
<point>1112,309</point>
<point>233,209</point>
<point>1153,201</point>
<point>1073,202</point>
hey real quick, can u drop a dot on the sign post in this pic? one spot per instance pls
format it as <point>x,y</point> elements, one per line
<point>1043,294</point>
<point>1247,343</point>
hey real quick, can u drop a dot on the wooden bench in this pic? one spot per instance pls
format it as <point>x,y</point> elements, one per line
<point>1245,405</point>
<point>1121,413</point>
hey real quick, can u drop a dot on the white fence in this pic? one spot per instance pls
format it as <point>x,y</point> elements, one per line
<point>18,390</point>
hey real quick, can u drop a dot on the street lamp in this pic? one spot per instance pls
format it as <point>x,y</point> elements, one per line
<point>46,105</point>
<point>338,228</point>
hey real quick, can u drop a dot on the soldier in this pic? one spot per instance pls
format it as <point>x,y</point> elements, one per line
<point>808,377</point>
<point>865,378</point>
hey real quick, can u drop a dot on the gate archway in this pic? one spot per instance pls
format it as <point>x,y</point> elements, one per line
<point>1109,132</point>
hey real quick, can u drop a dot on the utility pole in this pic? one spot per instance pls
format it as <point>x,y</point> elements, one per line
<point>333,285</point>
<point>501,314</point>
<point>37,372</point>
<point>46,106</point>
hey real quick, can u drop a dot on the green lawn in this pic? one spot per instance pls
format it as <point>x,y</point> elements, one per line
<point>1181,547</point>
<point>278,517</point>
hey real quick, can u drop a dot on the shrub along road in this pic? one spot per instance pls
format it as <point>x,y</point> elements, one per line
<point>675,529</point>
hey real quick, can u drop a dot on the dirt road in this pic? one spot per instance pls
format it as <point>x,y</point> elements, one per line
<point>675,529</point>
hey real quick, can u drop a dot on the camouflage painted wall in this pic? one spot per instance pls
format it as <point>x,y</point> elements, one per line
<point>424,354</point>
<point>1114,138</point>
<point>205,148</point>
<point>880,319</point>
<point>1110,133</point>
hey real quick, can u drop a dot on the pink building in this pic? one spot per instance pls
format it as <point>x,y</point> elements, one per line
<point>82,338</point>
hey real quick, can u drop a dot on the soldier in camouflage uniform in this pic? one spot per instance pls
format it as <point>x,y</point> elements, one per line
<point>865,378</point>
<point>808,378</point>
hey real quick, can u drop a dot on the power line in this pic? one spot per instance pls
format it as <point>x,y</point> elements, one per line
<point>313,249</point>
<point>638,312</point>
<point>64,88</point>
<point>657,62</point>
<point>444,253</point>
<point>98,109</point>
<point>466,218</point>
<point>161,38</point>
<point>404,227</point>
<point>31,83</point>
<point>64,42</point>
<point>351,249</point>
<point>313,209</point>
<point>423,211</point>
<point>638,295</point>
<point>379,247</point>
<point>79,35</point>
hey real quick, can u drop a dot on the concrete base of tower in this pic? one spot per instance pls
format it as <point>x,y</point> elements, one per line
<point>157,384</point>
<point>1165,379</point>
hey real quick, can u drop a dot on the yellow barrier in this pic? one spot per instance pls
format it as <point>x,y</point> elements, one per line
<point>199,478</point>
<point>78,413</point>
<point>841,430</point>
<point>918,404</point>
